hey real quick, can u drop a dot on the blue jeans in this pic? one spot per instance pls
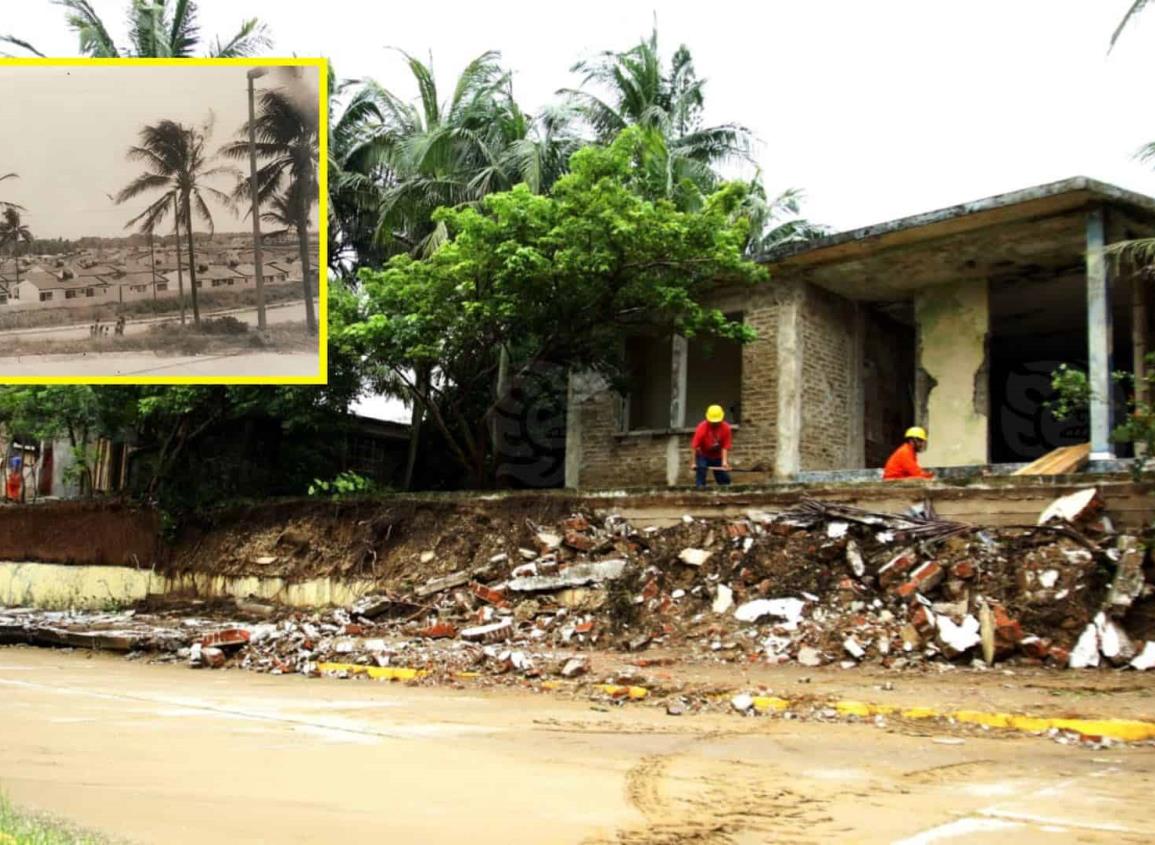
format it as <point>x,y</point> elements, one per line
<point>701,464</point>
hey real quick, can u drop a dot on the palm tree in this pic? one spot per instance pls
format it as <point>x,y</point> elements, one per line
<point>287,145</point>
<point>177,165</point>
<point>419,156</point>
<point>157,29</point>
<point>13,230</point>
<point>634,88</point>
<point>1137,6</point>
<point>3,204</point>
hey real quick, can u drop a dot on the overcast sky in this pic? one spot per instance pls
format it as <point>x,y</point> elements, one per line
<point>68,129</point>
<point>875,108</point>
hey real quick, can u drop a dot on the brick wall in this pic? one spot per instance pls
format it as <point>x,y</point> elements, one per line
<point>828,383</point>
<point>610,459</point>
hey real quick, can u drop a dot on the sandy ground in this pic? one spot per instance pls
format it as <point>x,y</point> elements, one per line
<point>168,754</point>
<point>287,312</point>
<point>265,364</point>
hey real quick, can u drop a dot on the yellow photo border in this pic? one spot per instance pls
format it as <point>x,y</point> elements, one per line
<point>322,66</point>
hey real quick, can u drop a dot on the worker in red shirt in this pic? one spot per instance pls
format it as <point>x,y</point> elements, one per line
<point>904,462</point>
<point>711,447</point>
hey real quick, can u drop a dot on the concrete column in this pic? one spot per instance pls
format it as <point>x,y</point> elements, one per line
<point>1099,337</point>
<point>679,351</point>
<point>953,325</point>
<point>573,434</point>
<point>788,457</point>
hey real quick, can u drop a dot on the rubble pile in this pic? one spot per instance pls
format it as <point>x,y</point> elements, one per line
<point>817,584</point>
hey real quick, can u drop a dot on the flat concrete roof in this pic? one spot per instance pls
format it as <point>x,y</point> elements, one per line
<point>1040,201</point>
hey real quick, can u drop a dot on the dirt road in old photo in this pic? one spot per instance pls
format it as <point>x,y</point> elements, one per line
<point>167,754</point>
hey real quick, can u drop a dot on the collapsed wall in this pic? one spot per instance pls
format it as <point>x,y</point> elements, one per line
<point>81,532</point>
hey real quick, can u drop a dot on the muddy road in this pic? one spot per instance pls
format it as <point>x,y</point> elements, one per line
<point>166,754</point>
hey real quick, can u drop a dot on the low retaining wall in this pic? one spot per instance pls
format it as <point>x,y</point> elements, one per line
<point>61,587</point>
<point>81,532</point>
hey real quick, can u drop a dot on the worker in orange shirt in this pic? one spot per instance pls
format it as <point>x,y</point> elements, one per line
<point>904,462</point>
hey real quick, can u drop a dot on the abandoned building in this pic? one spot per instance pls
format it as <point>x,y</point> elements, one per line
<point>953,320</point>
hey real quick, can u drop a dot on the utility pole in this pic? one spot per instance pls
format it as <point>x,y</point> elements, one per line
<point>253,74</point>
<point>179,274</point>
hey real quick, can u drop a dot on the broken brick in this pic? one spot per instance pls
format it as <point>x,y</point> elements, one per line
<point>963,570</point>
<point>1035,647</point>
<point>438,631</point>
<point>226,638</point>
<point>1008,631</point>
<point>579,541</point>
<point>488,594</point>
<point>577,522</point>
<point>584,627</point>
<point>922,580</point>
<point>737,529</point>
<point>895,570</point>
<point>922,621</point>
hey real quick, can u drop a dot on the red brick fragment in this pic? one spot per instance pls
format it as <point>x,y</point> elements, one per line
<point>964,570</point>
<point>737,529</point>
<point>584,627</point>
<point>922,580</point>
<point>1059,655</point>
<point>577,522</point>
<point>921,621</point>
<point>1008,631</point>
<point>1036,647</point>
<point>228,637</point>
<point>488,594</point>
<point>579,541</point>
<point>438,631</point>
<point>352,629</point>
<point>895,570</point>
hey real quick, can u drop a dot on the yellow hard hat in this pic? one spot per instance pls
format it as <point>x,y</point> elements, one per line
<point>916,432</point>
<point>715,413</point>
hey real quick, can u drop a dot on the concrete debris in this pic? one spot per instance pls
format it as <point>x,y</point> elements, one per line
<point>1073,507</point>
<point>1129,580</point>
<point>853,648</point>
<point>743,702</point>
<point>724,599</point>
<point>817,584</point>
<point>577,575</point>
<point>808,656</point>
<point>957,639</point>
<point>1145,659</point>
<point>574,666</point>
<point>1086,650</point>
<point>788,610</point>
<point>693,557</point>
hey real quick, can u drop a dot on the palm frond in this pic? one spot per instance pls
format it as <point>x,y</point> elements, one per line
<point>18,42</point>
<point>94,38</point>
<point>251,38</point>
<point>1136,7</point>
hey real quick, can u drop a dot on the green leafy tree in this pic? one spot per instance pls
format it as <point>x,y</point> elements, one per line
<point>177,165</point>
<point>286,135</point>
<point>562,279</point>
<point>44,413</point>
<point>165,29</point>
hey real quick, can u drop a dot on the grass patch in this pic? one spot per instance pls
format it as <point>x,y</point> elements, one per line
<point>108,312</point>
<point>214,336</point>
<point>18,827</point>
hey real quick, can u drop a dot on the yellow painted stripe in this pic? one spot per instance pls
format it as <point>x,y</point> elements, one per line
<point>770,702</point>
<point>381,673</point>
<point>634,693</point>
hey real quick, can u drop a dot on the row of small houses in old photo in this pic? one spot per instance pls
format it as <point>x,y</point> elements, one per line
<point>99,284</point>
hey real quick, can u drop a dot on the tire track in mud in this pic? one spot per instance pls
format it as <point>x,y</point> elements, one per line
<point>727,797</point>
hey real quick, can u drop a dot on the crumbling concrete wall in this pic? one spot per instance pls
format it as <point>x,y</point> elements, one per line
<point>953,325</point>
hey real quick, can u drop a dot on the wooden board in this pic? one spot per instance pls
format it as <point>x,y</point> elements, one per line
<point>1061,461</point>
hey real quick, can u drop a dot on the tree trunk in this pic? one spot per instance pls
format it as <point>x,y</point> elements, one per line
<point>303,246</point>
<point>192,262</point>
<point>415,421</point>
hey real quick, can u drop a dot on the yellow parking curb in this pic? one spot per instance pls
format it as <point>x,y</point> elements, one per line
<point>1125,730</point>
<point>380,673</point>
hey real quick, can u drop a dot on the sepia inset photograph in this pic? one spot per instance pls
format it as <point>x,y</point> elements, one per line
<point>161,222</point>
